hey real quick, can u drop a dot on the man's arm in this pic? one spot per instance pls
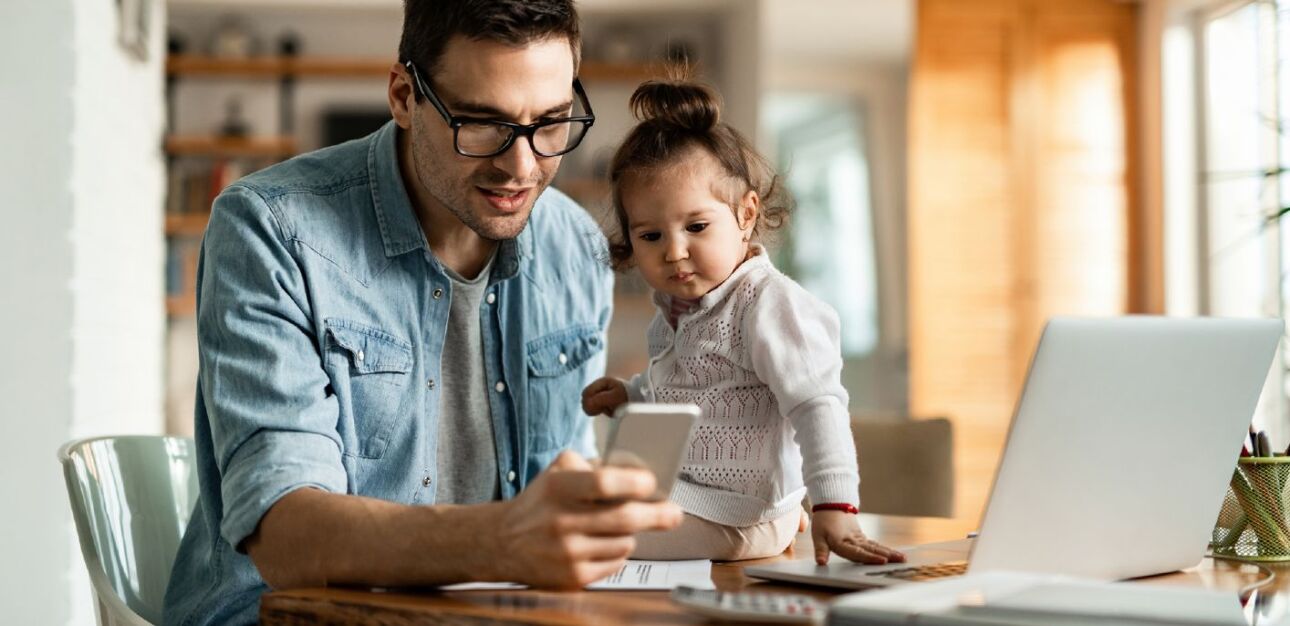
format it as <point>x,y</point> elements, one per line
<point>571,526</point>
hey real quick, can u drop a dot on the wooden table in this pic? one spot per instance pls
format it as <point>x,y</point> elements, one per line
<point>354,606</point>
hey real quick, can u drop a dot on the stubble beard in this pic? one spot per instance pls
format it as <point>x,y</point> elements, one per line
<point>457,196</point>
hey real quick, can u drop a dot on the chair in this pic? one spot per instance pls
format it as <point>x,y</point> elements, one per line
<point>131,499</point>
<point>906,466</point>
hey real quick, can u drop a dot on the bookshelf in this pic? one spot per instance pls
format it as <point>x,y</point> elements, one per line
<point>186,225</point>
<point>195,66</point>
<point>188,66</point>
<point>183,305</point>
<point>275,147</point>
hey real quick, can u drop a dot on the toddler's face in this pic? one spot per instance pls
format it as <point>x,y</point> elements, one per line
<point>685,239</point>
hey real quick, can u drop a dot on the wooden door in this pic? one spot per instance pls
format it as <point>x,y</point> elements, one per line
<point>1022,200</point>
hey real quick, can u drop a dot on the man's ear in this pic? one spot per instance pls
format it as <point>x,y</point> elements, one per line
<point>401,96</point>
<point>749,209</point>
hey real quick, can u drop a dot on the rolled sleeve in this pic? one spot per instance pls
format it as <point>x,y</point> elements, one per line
<point>272,416</point>
<point>271,465</point>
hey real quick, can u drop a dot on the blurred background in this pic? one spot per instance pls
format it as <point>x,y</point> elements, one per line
<point>963,170</point>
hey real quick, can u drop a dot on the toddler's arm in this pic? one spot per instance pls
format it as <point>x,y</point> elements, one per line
<point>794,347</point>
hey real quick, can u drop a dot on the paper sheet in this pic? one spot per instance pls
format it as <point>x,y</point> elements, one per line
<point>482,586</point>
<point>634,576</point>
<point>658,575</point>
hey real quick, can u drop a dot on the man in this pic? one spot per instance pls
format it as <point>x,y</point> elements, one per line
<point>393,336</point>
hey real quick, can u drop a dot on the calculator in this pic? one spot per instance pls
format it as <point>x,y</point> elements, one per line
<point>748,606</point>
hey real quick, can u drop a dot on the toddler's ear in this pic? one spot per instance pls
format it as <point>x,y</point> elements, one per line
<point>749,208</point>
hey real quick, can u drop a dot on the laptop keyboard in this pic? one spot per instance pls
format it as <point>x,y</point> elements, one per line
<point>926,572</point>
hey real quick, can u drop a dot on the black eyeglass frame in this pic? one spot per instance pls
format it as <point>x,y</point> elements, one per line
<point>455,122</point>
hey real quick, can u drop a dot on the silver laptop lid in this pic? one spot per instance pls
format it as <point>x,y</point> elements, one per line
<point>1122,445</point>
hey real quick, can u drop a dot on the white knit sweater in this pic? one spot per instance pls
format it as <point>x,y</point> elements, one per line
<point>761,357</point>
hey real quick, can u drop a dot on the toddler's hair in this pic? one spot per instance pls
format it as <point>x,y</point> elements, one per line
<point>676,116</point>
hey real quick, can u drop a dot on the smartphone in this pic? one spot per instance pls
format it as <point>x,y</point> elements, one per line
<point>653,437</point>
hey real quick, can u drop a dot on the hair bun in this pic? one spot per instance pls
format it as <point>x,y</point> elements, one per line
<point>688,105</point>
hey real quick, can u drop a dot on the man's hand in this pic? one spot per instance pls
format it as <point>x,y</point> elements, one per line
<point>603,396</point>
<point>574,524</point>
<point>839,532</point>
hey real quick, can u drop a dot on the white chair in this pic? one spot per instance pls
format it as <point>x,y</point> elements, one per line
<point>131,499</point>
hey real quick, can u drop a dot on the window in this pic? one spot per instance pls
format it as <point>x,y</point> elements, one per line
<point>1241,240</point>
<point>828,247</point>
<point>821,143</point>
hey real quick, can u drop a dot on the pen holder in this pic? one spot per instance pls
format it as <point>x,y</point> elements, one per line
<point>1252,524</point>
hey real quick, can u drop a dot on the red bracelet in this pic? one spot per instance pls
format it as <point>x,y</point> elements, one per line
<point>835,506</point>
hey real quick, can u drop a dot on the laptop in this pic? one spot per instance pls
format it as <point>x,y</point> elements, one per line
<point>1117,459</point>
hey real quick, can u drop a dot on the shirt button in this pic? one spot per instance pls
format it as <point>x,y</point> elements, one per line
<point>500,386</point>
<point>492,297</point>
<point>425,482</point>
<point>510,476</point>
<point>438,293</point>
<point>359,356</point>
<point>563,358</point>
<point>430,384</point>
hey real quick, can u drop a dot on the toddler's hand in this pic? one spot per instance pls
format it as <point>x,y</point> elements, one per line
<point>839,532</point>
<point>603,396</point>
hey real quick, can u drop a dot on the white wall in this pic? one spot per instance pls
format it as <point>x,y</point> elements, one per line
<point>118,187</point>
<point>35,275</point>
<point>80,269</point>
<point>741,34</point>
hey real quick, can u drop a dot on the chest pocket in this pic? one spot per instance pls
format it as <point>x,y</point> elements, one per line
<point>369,371</point>
<point>556,368</point>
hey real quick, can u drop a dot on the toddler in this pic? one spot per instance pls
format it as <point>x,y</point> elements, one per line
<point>757,353</point>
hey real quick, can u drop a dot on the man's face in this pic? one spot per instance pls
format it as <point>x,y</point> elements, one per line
<point>493,196</point>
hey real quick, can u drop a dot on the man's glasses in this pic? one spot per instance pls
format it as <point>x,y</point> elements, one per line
<point>481,138</point>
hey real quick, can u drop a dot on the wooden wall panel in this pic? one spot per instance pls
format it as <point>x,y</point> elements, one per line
<point>1022,199</point>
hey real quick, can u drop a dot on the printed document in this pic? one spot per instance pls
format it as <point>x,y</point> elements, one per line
<point>658,575</point>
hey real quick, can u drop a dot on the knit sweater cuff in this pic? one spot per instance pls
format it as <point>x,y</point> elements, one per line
<point>842,488</point>
<point>635,391</point>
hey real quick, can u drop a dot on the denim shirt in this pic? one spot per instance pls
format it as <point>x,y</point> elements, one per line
<point>320,319</point>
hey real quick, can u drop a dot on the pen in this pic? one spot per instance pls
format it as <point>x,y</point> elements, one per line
<point>1265,445</point>
<point>1254,441</point>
